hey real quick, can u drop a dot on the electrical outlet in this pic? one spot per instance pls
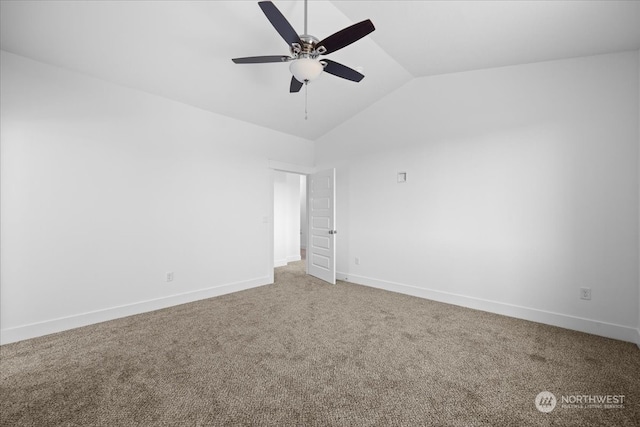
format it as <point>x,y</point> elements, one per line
<point>169,276</point>
<point>357,261</point>
<point>585,293</point>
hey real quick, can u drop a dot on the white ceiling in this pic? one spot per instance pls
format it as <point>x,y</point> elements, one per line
<point>182,50</point>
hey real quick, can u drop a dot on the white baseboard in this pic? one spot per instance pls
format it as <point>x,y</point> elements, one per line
<point>294,258</point>
<point>33,330</point>
<point>589,326</point>
<point>284,261</point>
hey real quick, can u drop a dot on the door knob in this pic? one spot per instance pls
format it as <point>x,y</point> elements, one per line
<point>333,231</point>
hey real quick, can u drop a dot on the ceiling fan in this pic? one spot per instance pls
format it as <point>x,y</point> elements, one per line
<point>306,49</point>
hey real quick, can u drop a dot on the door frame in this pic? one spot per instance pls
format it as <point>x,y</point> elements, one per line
<point>273,166</point>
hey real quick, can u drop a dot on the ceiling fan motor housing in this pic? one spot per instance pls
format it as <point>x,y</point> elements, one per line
<point>308,49</point>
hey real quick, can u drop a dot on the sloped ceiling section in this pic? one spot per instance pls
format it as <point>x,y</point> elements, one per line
<point>182,50</point>
<point>440,37</point>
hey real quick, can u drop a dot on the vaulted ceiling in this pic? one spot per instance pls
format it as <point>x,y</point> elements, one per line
<point>182,50</point>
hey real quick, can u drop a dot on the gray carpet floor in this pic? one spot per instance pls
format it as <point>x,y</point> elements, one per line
<point>302,352</point>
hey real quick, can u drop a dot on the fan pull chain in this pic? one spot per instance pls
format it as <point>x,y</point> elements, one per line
<point>305,100</point>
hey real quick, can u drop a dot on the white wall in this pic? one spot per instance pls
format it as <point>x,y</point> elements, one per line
<point>522,188</point>
<point>286,218</point>
<point>304,223</point>
<point>105,189</point>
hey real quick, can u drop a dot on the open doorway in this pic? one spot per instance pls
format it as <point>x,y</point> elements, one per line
<point>315,228</point>
<point>289,218</point>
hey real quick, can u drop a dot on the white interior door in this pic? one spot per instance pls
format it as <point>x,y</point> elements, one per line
<point>321,247</point>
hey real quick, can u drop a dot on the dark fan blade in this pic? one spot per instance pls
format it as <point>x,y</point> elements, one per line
<point>260,59</point>
<point>280,23</point>
<point>343,71</point>
<point>346,36</point>
<point>295,85</point>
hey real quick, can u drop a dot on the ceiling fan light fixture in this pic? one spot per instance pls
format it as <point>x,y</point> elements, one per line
<point>305,69</point>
